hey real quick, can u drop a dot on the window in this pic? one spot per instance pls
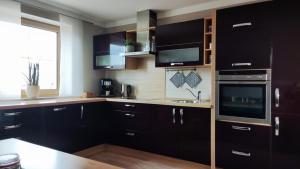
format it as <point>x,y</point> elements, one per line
<point>42,46</point>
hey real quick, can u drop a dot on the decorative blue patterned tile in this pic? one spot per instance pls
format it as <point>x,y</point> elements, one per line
<point>178,79</point>
<point>193,79</point>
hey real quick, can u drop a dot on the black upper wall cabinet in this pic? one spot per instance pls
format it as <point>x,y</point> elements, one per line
<point>180,44</point>
<point>109,51</point>
<point>244,37</point>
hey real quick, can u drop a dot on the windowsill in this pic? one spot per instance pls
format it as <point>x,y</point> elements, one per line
<point>44,93</point>
<point>39,98</point>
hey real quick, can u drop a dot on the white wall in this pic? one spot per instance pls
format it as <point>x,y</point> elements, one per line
<point>91,77</point>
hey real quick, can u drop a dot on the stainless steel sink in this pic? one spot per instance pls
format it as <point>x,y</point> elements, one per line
<point>186,101</point>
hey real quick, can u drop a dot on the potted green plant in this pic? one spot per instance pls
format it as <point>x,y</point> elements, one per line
<point>33,88</point>
<point>129,45</point>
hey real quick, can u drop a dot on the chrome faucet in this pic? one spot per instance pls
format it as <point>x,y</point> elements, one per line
<point>197,97</point>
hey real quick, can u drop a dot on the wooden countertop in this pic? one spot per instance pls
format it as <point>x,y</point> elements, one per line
<point>37,157</point>
<point>162,102</point>
<point>18,104</point>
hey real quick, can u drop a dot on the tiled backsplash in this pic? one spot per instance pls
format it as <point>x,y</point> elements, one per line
<point>147,81</point>
<point>172,92</point>
<point>154,83</point>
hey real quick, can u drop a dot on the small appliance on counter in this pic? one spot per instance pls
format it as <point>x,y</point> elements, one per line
<point>126,91</point>
<point>106,88</point>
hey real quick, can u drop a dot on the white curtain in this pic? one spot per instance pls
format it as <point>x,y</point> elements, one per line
<point>72,56</point>
<point>76,65</point>
<point>10,41</point>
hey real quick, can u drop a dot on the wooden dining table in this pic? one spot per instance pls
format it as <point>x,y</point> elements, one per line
<point>38,157</point>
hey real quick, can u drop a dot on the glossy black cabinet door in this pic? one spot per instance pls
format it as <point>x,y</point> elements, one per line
<point>285,86</point>
<point>180,44</point>
<point>244,37</point>
<point>285,70</point>
<point>109,51</point>
<point>195,135</point>
<point>242,146</point>
<point>285,141</point>
<point>93,125</point>
<point>183,132</point>
<point>167,130</point>
<point>33,129</point>
<point>177,34</point>
<point>101,44</point>
<point>62,124</point>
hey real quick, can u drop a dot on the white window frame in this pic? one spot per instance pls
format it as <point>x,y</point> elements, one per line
<point>52,28</point>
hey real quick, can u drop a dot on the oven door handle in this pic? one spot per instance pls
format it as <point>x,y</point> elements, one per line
<point>243,82</point>
<point>241,128</point>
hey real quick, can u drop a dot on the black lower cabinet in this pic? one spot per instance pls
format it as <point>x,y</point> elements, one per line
<point>131,125</point>
<point>33,126</point>
<point>285,142</point>
<point>242,146</point>
<point>68,128</point>
<point>62,124</point>
<point>166,131</point>
<point>93,125</point>
<point>179,132</point>
<point>183,133</point>
<point>71,128</point>
<point>195,135</point>
<point>12,123</point>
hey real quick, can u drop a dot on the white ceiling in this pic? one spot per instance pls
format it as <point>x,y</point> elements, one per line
<point>118,12</point>
<point>112,10</point>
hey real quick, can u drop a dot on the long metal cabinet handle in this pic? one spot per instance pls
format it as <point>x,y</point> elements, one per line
<point>12,127</point>
<point>129,115</point>
<point>129,105</point>
<point>177,64</point>
<point>241,128</point>
<point>242,25</point>
<point>181,116</point>
<point>12,114</point>
<point>82,112</point>
<point>239,153</point>
<point>277,126</point>
<point>59,109</point>
<point>173,115</point>
<point>130,134</point>
<point>241,64</point>
<point>277,97</point>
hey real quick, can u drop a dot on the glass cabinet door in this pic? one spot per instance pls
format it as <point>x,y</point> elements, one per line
<point>114,59</point>
<point>179,57</point>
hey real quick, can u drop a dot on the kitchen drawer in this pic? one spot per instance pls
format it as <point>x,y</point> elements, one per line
<point>234,156</point>
<point>139,121</point>
<point>135,139</point>
<point>132,107</point>
<point>10,117</point>
<point>11,131</point>
<point>243,134</point>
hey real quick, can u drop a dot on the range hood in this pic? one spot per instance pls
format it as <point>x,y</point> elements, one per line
<point>146,23</point>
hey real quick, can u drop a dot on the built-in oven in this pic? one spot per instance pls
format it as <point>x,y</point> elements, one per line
<point>244,96</point>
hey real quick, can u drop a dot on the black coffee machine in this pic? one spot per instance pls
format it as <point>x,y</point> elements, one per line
<point>106,88</point>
